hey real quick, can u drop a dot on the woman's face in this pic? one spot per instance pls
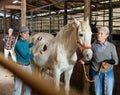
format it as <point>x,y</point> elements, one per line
<point>102,36</point>
<point>10,33</point>
<point>24,35</point>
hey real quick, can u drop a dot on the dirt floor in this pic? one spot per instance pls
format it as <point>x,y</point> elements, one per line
<point>6,82</point>
<point>6,77</point>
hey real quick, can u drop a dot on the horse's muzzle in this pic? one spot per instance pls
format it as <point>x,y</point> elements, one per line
<point>88,54</point>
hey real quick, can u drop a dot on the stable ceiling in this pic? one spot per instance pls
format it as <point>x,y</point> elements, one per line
<point>57,5</point>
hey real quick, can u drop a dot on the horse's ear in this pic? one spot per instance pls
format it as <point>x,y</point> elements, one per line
<point>77,22</point>
<point>87,19</point>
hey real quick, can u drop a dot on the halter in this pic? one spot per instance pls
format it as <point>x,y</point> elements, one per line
<point>83,47</point>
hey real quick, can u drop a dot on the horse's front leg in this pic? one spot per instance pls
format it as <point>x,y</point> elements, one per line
<point>68,74</point>
<point>57,78</point>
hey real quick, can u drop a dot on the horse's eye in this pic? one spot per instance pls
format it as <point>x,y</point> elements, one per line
<point>80,35</point>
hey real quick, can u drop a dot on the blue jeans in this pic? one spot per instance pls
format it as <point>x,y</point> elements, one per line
<point>99,84</point>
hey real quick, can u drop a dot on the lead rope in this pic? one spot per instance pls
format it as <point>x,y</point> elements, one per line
<point>85,73</point>
<point>105,82</point>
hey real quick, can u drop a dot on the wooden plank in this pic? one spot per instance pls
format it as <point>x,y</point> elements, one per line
<point>4,2</point>
<point>13,7</point>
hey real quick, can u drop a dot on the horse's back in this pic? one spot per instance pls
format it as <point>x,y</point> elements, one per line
<point>45,39</point>
<point>45,36</point>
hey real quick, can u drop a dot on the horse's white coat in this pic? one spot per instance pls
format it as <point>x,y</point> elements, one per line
<point>60,55</point>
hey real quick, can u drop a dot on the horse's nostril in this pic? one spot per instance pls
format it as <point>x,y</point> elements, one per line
<point>87,55</point>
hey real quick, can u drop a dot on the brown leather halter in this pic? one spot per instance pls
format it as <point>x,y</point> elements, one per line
<point>83,47</point>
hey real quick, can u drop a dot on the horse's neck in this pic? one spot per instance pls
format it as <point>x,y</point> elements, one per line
<point>68,39</point>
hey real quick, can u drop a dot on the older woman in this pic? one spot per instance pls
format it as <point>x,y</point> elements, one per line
<point>103,61</point>
<point>104,53</point>
<point>9,41</point>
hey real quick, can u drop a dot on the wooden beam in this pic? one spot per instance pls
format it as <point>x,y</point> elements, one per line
<point>13,7</point>
<point>86,9</point>
<point>23,13</point>
<point>4,2</point>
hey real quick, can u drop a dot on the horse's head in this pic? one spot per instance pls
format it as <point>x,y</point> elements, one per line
<point>84,35</point>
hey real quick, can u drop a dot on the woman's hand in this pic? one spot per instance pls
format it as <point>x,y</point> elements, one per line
<point>82,61</point>
<point>105,65</point>
<point>41,51</point>
<point>35,41</point>
<point>3,39</point>
<point>44,49</point>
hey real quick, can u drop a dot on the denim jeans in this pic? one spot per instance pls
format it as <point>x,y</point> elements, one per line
<point>18,83</point>
<point>99,84</point>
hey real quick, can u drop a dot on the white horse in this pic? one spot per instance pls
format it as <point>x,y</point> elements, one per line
<point>60,55</point>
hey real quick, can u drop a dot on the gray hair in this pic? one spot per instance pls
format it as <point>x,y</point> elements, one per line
<point>105,29</point>
<point>10,30</point>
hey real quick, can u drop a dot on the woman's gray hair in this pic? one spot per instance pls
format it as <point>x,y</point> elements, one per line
<point>10,30</point>
<point>105,29</point>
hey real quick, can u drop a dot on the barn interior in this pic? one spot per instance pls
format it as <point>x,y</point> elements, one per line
<point>50,16</point>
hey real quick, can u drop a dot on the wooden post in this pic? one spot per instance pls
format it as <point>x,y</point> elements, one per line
<point>23,12</point>
<point>86,15</point>
<point>65,12</point>
<point>4,23</point>
<point>86,9</point>
<point>22,7</point>
<point>31,22</point>
<point>110,19</point>
<point>50,20</point>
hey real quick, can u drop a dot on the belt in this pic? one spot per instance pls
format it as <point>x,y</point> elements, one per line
<point>19,63</point>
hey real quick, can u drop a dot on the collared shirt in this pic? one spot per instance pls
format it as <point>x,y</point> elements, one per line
<point>100,47</point>
<point>9,42</point>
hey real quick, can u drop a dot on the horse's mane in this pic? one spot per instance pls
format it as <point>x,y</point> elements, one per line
<point>67,37</point>
<point>67,34</point>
